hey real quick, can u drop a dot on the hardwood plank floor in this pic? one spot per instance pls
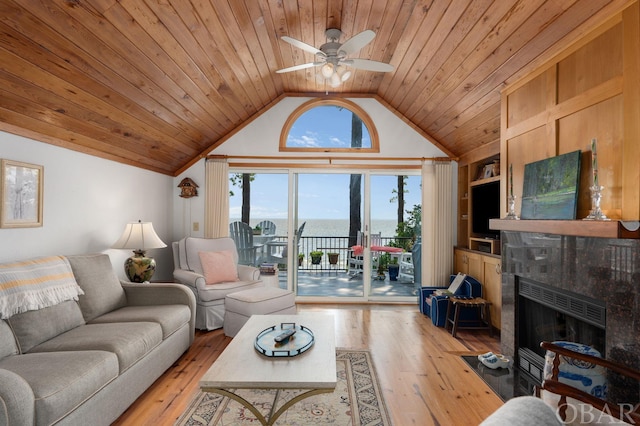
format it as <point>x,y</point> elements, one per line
<point>424,380</point>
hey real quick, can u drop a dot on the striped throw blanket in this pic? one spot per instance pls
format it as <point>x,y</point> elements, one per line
<point>35,284</point>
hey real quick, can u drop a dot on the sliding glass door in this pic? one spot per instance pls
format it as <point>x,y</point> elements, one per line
<point>334,234</point>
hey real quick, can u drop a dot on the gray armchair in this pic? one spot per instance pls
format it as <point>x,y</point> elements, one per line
<point>209,298</point>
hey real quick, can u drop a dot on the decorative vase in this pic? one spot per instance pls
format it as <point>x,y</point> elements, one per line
<point>139,268</point>
<point>495,168</point>
<point>394,269</point>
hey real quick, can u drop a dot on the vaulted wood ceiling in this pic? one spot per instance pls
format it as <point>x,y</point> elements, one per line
<point>157,83</point>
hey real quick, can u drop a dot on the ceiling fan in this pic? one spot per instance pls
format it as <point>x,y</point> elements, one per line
<point>332,56</point>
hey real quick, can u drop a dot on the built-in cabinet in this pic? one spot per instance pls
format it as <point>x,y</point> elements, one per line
<point>477,173</point>
<point>487,269</point>
<point>476,255</point>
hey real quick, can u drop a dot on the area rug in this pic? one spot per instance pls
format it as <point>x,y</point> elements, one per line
<point>357,400</point>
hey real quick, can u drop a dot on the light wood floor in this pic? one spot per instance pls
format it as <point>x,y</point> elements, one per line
<point>424,380</point>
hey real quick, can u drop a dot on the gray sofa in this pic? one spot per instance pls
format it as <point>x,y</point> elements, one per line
<point>85,361</point>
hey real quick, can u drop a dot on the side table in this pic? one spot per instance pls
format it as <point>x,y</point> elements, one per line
<point>483,323</point>
<point>272,280</point>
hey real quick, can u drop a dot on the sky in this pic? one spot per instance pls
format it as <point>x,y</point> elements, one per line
<point>322,196</point>
<point>311,129</point>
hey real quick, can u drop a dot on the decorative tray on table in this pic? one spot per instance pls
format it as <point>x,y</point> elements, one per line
<point>285,340</point>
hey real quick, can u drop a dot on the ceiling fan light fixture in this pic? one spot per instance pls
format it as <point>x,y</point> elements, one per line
<point>335,80</point>
<point>343,73</point>
<point>327,70</point>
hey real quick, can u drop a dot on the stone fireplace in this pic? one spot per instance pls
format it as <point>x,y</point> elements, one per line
<point>597,280</point>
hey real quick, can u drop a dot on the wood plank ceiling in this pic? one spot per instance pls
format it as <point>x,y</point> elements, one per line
<point>157,83</point>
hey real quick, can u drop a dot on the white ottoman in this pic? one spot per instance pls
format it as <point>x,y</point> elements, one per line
<point>239,306</point>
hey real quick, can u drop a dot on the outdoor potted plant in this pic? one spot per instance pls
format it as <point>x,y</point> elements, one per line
<point>333,258</point>
<point>394,269</point>
<point>316,256</point>
<point>383,262</point>
<point>257,230</point>
<point>300,258</point>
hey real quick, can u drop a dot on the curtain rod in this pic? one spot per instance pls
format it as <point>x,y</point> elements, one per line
<point>328,158</point>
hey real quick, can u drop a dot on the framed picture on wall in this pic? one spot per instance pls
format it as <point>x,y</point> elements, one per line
<point>21,186</point>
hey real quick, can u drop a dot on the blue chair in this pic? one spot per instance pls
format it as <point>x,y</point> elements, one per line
<point>435,307</point>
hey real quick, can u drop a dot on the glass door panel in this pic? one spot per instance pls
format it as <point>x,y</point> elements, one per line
<point>395,222</point>
<point>262,200</point>
<point>331,207</point>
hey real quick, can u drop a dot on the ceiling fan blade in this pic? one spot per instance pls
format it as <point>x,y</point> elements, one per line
<point>366,64</point>
<point>357,42</point>
<point>300,67</point>
<point>303,46</point>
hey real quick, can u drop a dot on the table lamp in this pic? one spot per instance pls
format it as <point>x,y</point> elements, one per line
<point>140,237</point>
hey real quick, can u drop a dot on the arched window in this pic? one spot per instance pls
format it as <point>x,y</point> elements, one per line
<point>329,125</point>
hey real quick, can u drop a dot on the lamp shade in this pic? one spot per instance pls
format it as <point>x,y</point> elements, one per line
<point>139,236</point>
<point>327,70</point>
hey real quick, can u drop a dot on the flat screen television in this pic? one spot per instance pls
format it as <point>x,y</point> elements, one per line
<point>485,205</point>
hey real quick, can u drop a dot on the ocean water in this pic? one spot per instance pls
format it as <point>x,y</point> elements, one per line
<point>331,227</point>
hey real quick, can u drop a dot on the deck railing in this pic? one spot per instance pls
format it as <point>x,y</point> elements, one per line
<point>328,245</point>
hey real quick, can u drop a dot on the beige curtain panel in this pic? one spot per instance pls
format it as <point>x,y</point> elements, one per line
<point>216,220</point>
<point>437,223</point>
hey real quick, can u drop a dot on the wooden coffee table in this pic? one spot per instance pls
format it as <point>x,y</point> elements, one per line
<point>240,366</point>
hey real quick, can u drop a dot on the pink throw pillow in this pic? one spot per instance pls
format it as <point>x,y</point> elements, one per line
<point>218,266</point>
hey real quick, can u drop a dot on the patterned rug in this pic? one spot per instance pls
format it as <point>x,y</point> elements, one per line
<point>357,400</point>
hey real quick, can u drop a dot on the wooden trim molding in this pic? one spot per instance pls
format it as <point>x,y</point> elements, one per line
<point>579,228</point>
<point>327,162</point>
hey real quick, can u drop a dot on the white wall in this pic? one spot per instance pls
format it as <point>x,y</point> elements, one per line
<point>87,202</point>
<point>262,137</point>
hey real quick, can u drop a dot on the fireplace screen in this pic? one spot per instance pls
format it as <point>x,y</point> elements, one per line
<point>541,323</point>
<point>550,314</point>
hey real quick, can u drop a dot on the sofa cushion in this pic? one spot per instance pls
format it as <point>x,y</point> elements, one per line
<point>34,327</point>
<point>8,344</point>
<point>102,290</point>
<point>218,266</point>
<point>130,341</point>
<point>61,381</point>
<point>170,317</point>
<point>220,291</point>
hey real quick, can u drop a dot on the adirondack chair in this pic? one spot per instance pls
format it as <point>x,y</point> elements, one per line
<point>278,251</point>
<point>268,227</point>
<point>242,235</point>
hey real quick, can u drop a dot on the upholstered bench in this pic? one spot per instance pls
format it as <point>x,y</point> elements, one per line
<point>239,306</point>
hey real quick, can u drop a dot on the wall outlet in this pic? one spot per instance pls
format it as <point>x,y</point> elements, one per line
<point>196,226</point>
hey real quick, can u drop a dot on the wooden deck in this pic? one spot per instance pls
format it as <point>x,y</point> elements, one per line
<point>423,377</point>
<point>341,284</point>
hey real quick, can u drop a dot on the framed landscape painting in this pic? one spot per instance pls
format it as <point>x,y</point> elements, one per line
<point>21,189</point>
<point>550,188</point>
